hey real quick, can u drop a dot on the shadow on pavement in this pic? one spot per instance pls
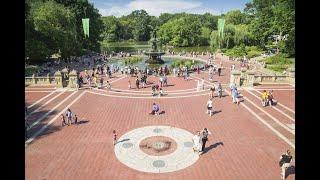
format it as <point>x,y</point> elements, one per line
<point>82,122</point>
<point>216,112</point>
<point>123,140</point>
<point>212,146</point>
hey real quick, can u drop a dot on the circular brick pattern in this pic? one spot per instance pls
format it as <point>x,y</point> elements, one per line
<point>158,145</point>
<point>158,163</point>
<point>127,145</point>
<point>169,149</point>
<point>157,130</point>
<point>188,144</point>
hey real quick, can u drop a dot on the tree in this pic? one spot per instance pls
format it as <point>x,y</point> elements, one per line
<point>112,29</point>
<point>274,17</point>
<point>165,17</point>
<point>235,17</point>
<point>141,22</point>
<point>83,9</point>
<point>55,26</point>
<point>184,31</point>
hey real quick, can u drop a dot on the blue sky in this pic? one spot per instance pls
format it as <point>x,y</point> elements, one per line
<point>156,7</point>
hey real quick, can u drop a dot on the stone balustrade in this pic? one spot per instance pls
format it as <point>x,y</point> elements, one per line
<point>60,79</point>
<point>249,78</point>
<point>39,80</point>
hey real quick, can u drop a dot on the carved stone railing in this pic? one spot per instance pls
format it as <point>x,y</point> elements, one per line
<point>249,78</point>
<point>59,79</point>
<point>39,80</point>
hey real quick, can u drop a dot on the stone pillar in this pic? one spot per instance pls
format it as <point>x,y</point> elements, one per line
<point>73,76</point>
<point>65,73</point>
<point>291,73</point>
<point>48,78</point>
<point>274,77</point>
<point>250,78</point>
<point>34,81</point>
<point>58,79</point>
<point>235,77</point>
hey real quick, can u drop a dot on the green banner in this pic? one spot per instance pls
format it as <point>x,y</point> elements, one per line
<point>85,24</point>
<point>221,27</point>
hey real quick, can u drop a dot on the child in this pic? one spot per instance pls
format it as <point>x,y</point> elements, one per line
<point>161,92</point>
<point>108,85</point>
<point>114,137</point>
<point>153,90</point>
<point>63,123</point>
<point>75,119</point>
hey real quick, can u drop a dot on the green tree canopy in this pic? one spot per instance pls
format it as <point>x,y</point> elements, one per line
<point>55,24</point>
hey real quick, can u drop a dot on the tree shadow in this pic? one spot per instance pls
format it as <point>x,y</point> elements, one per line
<point>290,170</point>
<point>212,146</point>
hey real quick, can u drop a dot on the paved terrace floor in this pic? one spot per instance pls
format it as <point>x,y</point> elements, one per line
<point>246,142</point>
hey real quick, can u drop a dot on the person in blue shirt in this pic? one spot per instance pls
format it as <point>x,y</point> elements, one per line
<point>155,109</point>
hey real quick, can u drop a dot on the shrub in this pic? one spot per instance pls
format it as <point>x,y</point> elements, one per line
<point>29,70</point>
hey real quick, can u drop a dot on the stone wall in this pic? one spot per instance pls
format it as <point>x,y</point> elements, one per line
<point>250,78</point>
<point>59,79</point>
<point>39,80</point>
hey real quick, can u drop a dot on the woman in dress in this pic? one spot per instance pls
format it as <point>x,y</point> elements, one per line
<point>197,143</point>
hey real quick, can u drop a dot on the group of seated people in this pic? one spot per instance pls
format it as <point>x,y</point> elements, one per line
<point>156,88</point>
<point>267,98</point>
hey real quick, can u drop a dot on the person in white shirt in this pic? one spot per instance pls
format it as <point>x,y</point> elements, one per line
<point>174,71</point>
<point>285,160</point>
<point>209,107</point>
<point>198,85</point>
<point>202,84</point>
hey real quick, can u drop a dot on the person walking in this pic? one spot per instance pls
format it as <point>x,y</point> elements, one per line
<point>75,119</point>
<point>235,96</point>
<point>219,90</point>
<point>137,83</point>
<point>101,82</point>
<point>209,107</point>
<point>114,137</point>
<point>63,120</point>
<point>69,116</point>
<point>212,89</point>
<point>204,137</point>
<point>161,81</point>
<point>219,71</point>
<point>129,83</point>
<point>284,163</point>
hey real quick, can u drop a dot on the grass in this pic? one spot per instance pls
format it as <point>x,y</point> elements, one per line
<point>183,62</point>
<point>279,62</point>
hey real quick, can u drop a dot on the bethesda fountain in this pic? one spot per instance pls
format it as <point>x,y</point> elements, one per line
<point>154,55</point>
